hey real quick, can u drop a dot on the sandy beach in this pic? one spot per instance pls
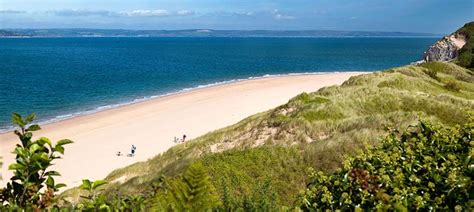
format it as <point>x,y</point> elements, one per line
<point>152,125</point>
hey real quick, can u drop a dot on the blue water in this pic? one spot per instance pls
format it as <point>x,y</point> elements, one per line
<point>60,77</point>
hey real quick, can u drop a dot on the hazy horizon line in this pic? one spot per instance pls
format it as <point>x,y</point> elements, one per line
<point>211,29</point>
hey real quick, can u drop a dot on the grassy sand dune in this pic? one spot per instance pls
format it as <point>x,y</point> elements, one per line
<point>152,125</point>
<point>270,151</point>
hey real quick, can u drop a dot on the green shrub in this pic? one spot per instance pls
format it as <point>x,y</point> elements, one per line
<point>465,58</point>
<point>93,201</point>
<point>452,86</point>
<point>32,185</point>
<point>425,168</point>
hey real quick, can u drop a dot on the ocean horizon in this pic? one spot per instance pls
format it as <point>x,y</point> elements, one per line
<point>61,78</point>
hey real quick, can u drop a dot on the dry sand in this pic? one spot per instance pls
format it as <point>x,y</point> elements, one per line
<point>152,125</point>
<point>459,41</point>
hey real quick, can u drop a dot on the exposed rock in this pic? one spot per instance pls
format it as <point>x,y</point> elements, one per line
<point>445,49</point>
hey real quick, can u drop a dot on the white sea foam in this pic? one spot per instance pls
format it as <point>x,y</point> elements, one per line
<point>147,98</point>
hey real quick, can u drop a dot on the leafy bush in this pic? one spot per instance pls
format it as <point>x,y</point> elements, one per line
<point>32,185</point>
<point>452,86</point>
<point>425,168</point>
<point>92,201</point>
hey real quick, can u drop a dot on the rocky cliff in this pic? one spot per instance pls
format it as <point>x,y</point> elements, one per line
<point>445,49</point>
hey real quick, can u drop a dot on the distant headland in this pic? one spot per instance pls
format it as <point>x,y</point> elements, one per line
<point>77,32</point>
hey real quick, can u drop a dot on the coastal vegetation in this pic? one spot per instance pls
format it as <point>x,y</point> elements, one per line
<point>32,185</point>
<point>263,162</point>
<point>466,54</point>
<point>424,168</point>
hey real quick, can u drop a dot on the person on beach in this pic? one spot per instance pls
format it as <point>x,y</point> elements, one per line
<point>133,150</point>
<point>184,138</point>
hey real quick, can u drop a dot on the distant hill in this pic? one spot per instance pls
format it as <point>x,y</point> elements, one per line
<point>5,33</point>
<point>203,33</point>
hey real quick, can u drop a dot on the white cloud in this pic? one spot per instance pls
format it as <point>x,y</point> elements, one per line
<point>245,13</point>
<point>228,14</point>
<point>281,16</point>
<point>74,12</point>
<point>105,13</point>
<point>185,12</point>
<point>147,13</point>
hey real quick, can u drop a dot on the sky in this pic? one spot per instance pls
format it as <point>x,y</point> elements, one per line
<point>432,16</point>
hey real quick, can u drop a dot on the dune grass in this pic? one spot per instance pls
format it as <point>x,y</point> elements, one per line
<point>312,130</point>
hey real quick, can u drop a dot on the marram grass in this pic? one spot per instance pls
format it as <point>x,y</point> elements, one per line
<point>314,130</point>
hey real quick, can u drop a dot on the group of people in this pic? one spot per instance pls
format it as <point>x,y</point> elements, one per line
<point>132,151</point>
<point>177,140</point>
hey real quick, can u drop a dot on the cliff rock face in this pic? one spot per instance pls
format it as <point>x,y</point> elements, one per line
<point>445,49</point>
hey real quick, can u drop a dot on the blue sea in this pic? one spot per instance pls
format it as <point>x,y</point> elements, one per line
<point>58,78</point>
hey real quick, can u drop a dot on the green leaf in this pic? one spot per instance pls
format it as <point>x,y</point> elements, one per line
<point>34,147</point>
<point>30,118</point>
<point>64,142</point>
<point>86,184</point>
<point>17,119</point>
<point>53,173</point>
<point>43,140</point>
<point>28,135</point>
<point>16,166</point>
<point>50,182</point>
<point>98,183</point>
<point>44,156</point>
<point>104,207</point>
<point>59,149</point>
<point>33,127</point>
<point>60,185</point>
<point>20,151</point>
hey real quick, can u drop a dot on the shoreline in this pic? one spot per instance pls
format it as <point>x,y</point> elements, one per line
<point>64,117</point>
<point>151,125</point>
